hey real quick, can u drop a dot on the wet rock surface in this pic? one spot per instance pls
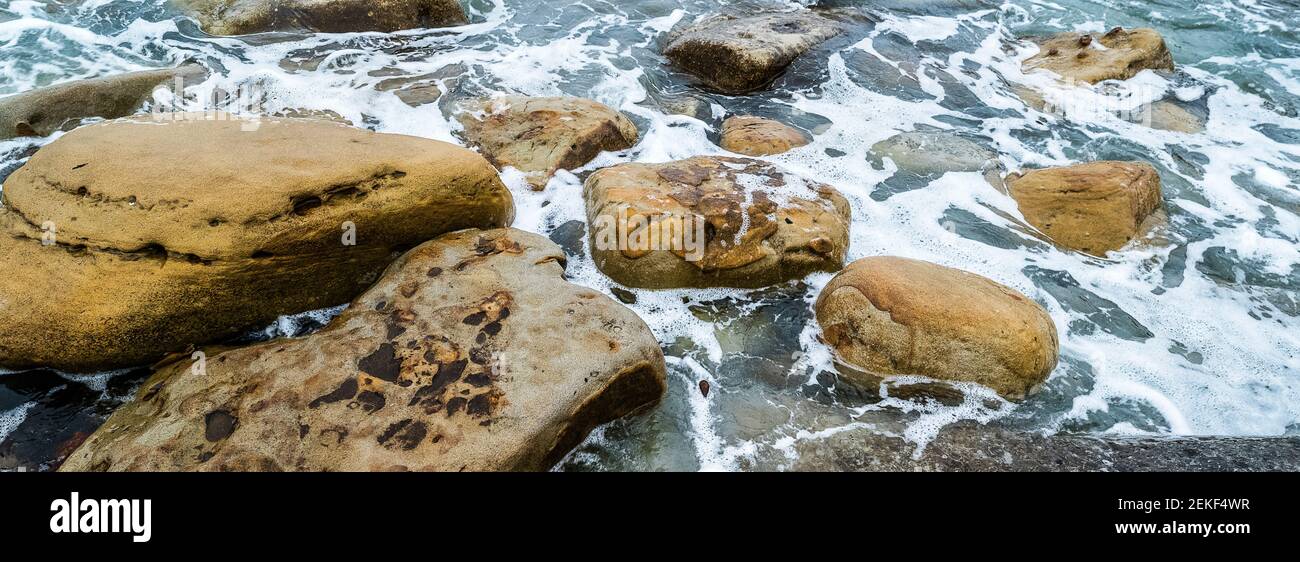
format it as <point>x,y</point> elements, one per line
<point>43,111</point>
<point>739,54</point>
<point>539,136</point>
<point>131,239</point>
<point>1119,54</point>
<point>895,316</point>
<point>445,364</point>
<point>1093,208</point>
<point>743,223</point>
<point>756,136</point>
<point>239,17</point>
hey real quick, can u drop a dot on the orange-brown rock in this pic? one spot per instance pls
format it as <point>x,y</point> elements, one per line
<point>756,136</point>
<point>713,221</point>
<point>1119,54</point>
<point>239,17</point>
<point>1094,208</point>
<point>127,240</point>
<point>539,136</point>
<point>887,316</point>
<point>449,363</point>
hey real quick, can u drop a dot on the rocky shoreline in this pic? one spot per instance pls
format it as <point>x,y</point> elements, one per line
<point>155,239</point>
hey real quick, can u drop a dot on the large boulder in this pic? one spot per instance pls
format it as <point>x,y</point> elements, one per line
<point>1119,54</point>
<point>44,111</point>
<point>740,54</point>
<point>453,361</point>
<point>713,221</point>
<point>887,316</point>
<point>126,240</point>
<point>539,136</point>
<point>1093,208</point>
<point>756,136</point>
<point>239,17</point>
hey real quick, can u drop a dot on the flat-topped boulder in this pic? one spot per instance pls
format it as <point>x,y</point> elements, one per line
<point>1093,208</point>
<point>447,364</point>
<point>44,111</point>
<point>757,136</point>
<point>713,221</point>
<point>740,54</point>
<point>126,240</point>
<point>240,17</point>
<point>541,135</point>
<point>1119,54</point>
<point>887,316</point>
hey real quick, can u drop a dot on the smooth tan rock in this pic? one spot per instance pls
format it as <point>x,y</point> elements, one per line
<point>43,111</point>
<point>170,233</point>
<point>887,316</point>
<point>743,223</point>
<point>239,17</point>
<point>539,136</point>
<point>1126,52</point>
<point>756,136</point>
<point>1094,208</point>
<point>740,54</point>
<point>471,353</point>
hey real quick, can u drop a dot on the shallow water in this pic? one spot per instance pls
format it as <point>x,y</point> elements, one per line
<point>1190,332</point>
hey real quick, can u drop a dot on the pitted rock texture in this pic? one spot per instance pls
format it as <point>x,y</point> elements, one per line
<point>741,54</point>
<point>743,223</point>
<point>239,17</point>
<point>539,136</point>
<point>1094,208</point>
<point>890,316</point>
<point>756,136</point>
<point>1119,54</point>
<point>471,353</point>
<point>127,240</point>
<point>43,111</point>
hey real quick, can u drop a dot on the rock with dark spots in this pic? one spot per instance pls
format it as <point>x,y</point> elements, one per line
<point>967,448</point>
<point>239,17</point>
<point>740,54</point>
<point>756,136</point>
<point>44,111</point>
<point>712,221</point>
<point>1093,208</point>
<point>887,316</point>
<point>1119,54</point>
<point>464,396</point>
<point>128,240</point>
<point>539,136</point>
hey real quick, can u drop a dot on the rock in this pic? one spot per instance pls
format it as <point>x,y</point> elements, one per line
<point>895,316</point>
<point>239,17</point>
<point>740,54</point>
<point>44,111</point>
<point>756,136</point>
<point>933,154</point>
<point>442,365</point>
<point>712,221</point>
<point>1121,55</point>
<point>539,136</point>
<point>1169,116</point>
<point>127,240</point>
<point>1093,208</point>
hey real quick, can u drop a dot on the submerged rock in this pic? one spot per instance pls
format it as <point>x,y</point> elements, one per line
<point>930,154</point>
<point>740,54</point>
<point>126,240</point>
<point>712,221</point>
<point>1119,54</point>
<point>44,111</point>
<point>238,17</point>
<point>756,136</point>
<point>539,136</point>
<point>438,367</point>
<point>1093,208</point>
<point>895,316</point>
